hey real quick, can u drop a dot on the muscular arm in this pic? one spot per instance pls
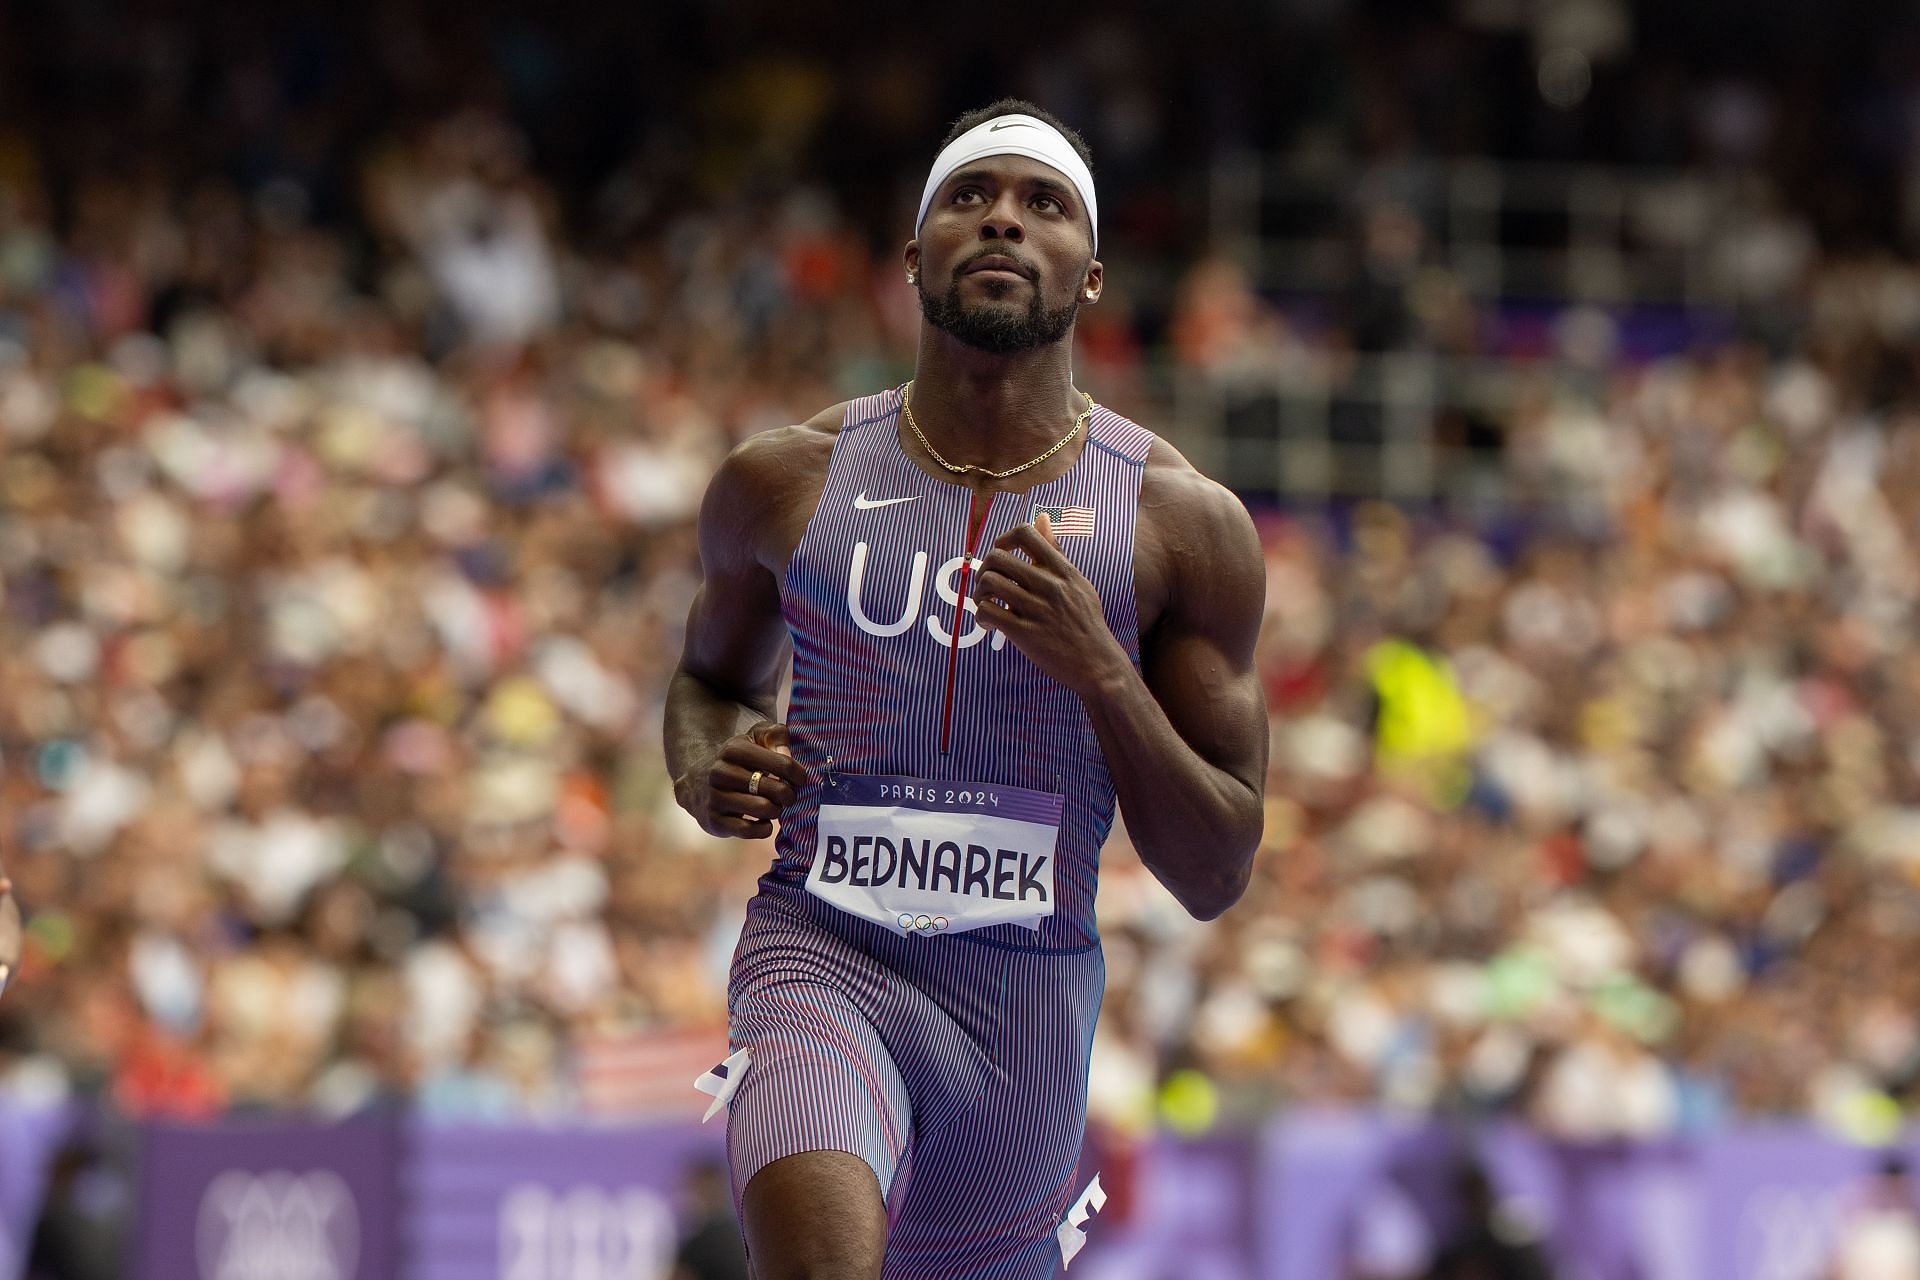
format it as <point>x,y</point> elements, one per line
<point>721,701</point>
<point>1185,738</point>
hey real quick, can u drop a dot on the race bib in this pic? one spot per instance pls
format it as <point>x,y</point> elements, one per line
<point>929,858</point>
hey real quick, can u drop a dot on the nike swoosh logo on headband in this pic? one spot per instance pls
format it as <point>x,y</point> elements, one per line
<point>1008,124</point>
<point>864,503</point>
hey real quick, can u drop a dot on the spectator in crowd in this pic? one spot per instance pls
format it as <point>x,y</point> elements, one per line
<point>1879,1234</point>
<point>710,1247</point>
<point>1489,1245</point>
<point>84,1217</point>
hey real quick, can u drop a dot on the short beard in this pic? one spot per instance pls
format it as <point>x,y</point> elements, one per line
<point>995,330</point>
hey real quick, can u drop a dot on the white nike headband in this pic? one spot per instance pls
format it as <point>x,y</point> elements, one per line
<point>1014,135</point>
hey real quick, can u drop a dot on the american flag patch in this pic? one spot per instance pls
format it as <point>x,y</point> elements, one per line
<point>1068,522</point>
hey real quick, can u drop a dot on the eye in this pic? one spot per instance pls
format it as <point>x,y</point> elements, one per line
<point>960,196</point>
<point>1049,203</point>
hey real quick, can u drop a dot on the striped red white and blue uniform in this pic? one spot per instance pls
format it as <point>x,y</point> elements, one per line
<point>956,1066</point>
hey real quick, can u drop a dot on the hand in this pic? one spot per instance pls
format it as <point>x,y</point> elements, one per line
<point>9,933</point>
<point>719,798</point>
<point>1046,606</point>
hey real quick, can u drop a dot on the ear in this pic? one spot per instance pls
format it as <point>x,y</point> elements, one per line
<point>1091,285</point>
<point>911,259</point>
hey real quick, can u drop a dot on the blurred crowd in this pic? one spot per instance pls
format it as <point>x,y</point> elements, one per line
<point>350,443</point>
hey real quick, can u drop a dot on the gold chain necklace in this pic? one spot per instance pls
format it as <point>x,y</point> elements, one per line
<point>906,404</point>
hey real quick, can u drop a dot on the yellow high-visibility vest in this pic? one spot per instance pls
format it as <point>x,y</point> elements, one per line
<point>1423,714</point>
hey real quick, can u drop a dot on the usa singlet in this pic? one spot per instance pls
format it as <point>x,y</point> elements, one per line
<point>919,976</point>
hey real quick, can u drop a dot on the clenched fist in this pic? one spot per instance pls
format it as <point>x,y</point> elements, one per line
<point>728,800</point>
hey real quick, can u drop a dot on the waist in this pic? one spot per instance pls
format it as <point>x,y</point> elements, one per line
<point>784,888</point>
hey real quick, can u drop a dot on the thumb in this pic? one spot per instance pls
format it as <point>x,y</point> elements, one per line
<point>774,736</point>
<point>1044,523</point>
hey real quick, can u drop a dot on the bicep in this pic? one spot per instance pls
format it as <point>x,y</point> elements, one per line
<point>735,644</point>
<point>1199,658</point>
<point>736,639</point>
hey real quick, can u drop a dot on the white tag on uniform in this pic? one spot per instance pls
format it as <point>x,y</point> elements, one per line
<point>1072,1233</point>
<point>723,1081</point>
<point>936,857</point>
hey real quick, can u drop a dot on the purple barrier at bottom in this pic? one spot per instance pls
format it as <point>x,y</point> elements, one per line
<point>1190,1214</point>
<point>1775,1200</point>
<point>269,1201</point>
<point>551,1203</point>
<point>1311,1197</point>
<point>29,1136</point>
<point>1340,1188</point>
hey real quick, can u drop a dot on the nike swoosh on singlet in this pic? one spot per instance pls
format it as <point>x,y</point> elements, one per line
<point>864,503</point>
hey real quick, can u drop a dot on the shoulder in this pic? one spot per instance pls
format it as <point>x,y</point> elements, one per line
<point>770,462</point>
<point>772,468</point>
<point>765,490</point>
<point>1196,519</point>
<point>1197,560</point>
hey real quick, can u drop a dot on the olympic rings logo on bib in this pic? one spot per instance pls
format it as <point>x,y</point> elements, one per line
<point>910,923</point>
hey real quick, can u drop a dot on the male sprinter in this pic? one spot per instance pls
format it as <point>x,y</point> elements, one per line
<point>1007,605</point>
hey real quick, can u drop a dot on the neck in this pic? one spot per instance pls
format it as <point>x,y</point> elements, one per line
<point>994,411</point>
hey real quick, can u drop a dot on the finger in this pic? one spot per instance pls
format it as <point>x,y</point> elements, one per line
<point>997,617</point>
<point>750,756</point>
<point>1042,551</point>
<point>1022,573</point>
<point>1044,524</point>
<point>741,828</point>
<point>738,804</point>
<point>995,586</point>
<point>726,776</point>
<point>732,797</point>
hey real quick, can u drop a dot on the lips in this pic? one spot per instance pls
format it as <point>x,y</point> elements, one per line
<point>998,262</point>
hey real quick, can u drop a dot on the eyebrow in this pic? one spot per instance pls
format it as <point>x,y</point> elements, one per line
<point>1060,190</point>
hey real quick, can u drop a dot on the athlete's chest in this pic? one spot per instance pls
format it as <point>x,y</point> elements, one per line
<point>893,563</point>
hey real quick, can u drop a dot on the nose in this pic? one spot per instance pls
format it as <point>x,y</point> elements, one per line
<point>1002,221</point>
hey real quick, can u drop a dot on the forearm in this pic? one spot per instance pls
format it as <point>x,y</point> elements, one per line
<point>700,718</point>
<point>1195,825</point>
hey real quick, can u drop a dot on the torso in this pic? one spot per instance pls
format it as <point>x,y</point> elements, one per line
<point>805,451</point>
<point>886,686</point>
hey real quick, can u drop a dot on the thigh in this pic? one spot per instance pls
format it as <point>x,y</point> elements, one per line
<point>818,1213</point>
<point>990,1189</point>
<point>820,1084</point>
<point>988,1194</point>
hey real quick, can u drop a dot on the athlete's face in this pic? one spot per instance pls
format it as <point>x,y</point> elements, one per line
<point>1004,259</point>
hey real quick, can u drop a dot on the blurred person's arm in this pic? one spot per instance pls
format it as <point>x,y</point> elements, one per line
<point>9,931</point>
<point>722,715</point>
